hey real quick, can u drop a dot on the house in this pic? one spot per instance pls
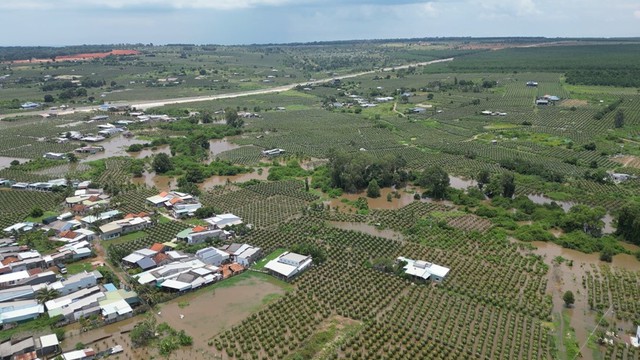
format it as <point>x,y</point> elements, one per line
<point>76,304</point>
<point>272,152</point>
<point>47,345</point>
<point>418,110</point>
<point>141,258</point>
<point>223,220</point>
<point>169,199</point>
<point>116,305</point>
<point>243,254</point>
<point>93,138</point>
<point>181,275</point>
<point>618,177</point>
<point>542,102</point>
<point>85,354</point>
<point>74,283</point>
<point>100,118</point>
<point>532,84</point>
<point>635,340</point>
<point>212,256</point>
<point>129,224</point>
<point>30,105</point>
<point>24,292</point>
<point>424,270</point>
<point>184,210</point>
<point>54,156</point>
<point>200,234</point>
<point>61,226</point>
<point>288,265</point>
<point>94,220</point>
<point>89,149</point>
<point>21,226</point>
<point>19,346</point>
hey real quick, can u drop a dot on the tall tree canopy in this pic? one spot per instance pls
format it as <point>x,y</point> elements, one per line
<point>354,171</point>
<point>436,180</point>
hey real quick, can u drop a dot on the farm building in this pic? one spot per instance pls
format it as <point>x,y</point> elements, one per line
<point>243,254</point>
<point>288,265</point>
<point>212,256</point>
<point>200,234</point>
<point>54,156</point>
<point>424,270</point>
<point>272,152</point>
<point>223,220</point>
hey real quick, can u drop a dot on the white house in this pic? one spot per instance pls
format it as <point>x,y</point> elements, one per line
<point>223,220</point>
<point>289,264</point>
<point>54,156</point>
<point>74,283</point>
<point>424,270</point>
<point>272,152</point>
<point>212,256</point>
<point>635,340</point>
<point>117,228</point>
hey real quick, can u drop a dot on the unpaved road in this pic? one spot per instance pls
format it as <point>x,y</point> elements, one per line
<point>147,104</point>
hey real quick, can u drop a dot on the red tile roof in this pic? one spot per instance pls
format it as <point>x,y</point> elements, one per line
<point>157,247</point>
<point>175,200</point>
<point>34,271</point>
<point>160,257</point>
<point>199,228</point>
<point>163,194</point>
<point>8,260</point>
<point>78,208</point>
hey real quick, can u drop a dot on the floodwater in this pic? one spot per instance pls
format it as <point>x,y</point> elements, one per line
<point>150,151</point>
<point>5,162</point>
<point>202,314</point>
<point>151,179</point>
<point>561,278</point>
<point>240,178</point>
<point>313,163</point>
<point>114,146</point>
<point>567,205</point>
<point>405,199</point>
<point>368,229</point>
<point>207,312</point>
<point>460,183</point>
<point>218,146</point>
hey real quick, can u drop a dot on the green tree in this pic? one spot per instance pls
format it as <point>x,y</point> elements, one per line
<point>232,118</point>
<point>584,218</point>
<point>436,180</point>
<point>373,190</point>
<point>629,223</point>
<point>72,157</point>
<point>15,163</point>
<point>508,185</point>
<point>484,177</point>
<point>568,298</point>
<point>36,212</point>
<point>619,120</point>
<point>144,331</point>
<point>48,98</point>
<point>162,163</point>
<point>45,294</point>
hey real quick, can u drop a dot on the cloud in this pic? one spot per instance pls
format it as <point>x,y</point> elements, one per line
<point>636,14</point>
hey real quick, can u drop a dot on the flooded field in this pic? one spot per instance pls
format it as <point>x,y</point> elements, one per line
<point>150,152</point>
<point>218,146</point>
<point>406,198</point>
<point>460,183</point>
<point>5,162</point>
<point>223,180</point>
<point>151,179</point>
<point>201,314</point>
<point>368,229</point>
<point>115,146</point>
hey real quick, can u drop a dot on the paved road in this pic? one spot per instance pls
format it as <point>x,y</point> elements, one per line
<point>142,105</point>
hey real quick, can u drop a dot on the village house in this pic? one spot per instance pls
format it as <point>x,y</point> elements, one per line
<point>19,311</point>
<point>288,265</point>
<point>182,275</point>
<point>212,256</point>
<point>199,234</point>
<point>54,156</point>
<point>142,258</point>
<point>243,254</point>
<point>100,218</point>
<point>424,270</point>
<point>130,223</point>
<point>74,283</point>
<point>84,354</point>
<point>223,220</point>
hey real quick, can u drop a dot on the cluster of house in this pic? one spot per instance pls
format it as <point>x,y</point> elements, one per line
<point>175,271</point>
<point>547,100</point>
<point>30,347</point>
<point>180,205</point>
<point>41,186</point>
<point>422,270</point>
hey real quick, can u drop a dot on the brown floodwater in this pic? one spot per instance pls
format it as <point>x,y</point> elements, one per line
<point>151,179</point>
<point>461,183</point>
<point>240,178</point>
<point>114,146</point>
<point>368,229</point>
<point>406,198</point>
<point>567,205</point>
<point>166,149</point>
<point>205,313</point>
<point>218,146</point>
<point>5,162</point>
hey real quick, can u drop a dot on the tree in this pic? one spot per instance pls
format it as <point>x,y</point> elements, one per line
<point>373,190</point>
<point>72,157</point>
<point>584,218</point>
<point>143,332</point>
<point>162,163</point>
<point>619,120</point>
<point>484,176</point>
<point>508,185</point>
<point>629,223</point>
<point>15,163</point>
<point>568,298</point>
<point>45,294</point>
<point>232,118</point>
<point>436,180</point>
<point>48,98</point>
<point>36,212</point>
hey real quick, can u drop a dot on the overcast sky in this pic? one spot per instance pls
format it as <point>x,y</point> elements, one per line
<point>66,22</point>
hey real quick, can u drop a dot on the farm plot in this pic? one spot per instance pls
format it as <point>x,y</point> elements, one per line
<point>16,204</point>
<point>618,288</point>
<point>133,201</point>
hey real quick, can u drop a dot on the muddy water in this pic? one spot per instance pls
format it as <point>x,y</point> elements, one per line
<point>377,203</point>
<point>217,146</point>
<point>114,146</point>
<point>166,149</point>
<point>5,162</point>
<point>205,313</point>
<point>223,180</point>
<point>561,278</point>
<point>313,163</point>
<point>160,182</point>
<point>460,183</point>
<point>368,229</point>
<point>567,205</point>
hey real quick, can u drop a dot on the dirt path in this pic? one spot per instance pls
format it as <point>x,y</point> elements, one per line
<point>142,105</point>
<point>395,105</point>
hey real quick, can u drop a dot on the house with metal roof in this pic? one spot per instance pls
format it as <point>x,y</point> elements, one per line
<point>223,220</point>
<point>212,256</point>
<point>424,270</point>
<point>288,265</point>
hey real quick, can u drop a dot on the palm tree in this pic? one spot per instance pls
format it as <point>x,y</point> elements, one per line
<point>45,294</point>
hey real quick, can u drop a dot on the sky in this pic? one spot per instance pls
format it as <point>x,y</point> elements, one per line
<point>226,22</point>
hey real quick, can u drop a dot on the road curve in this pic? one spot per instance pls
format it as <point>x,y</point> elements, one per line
<point>142,105</point>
